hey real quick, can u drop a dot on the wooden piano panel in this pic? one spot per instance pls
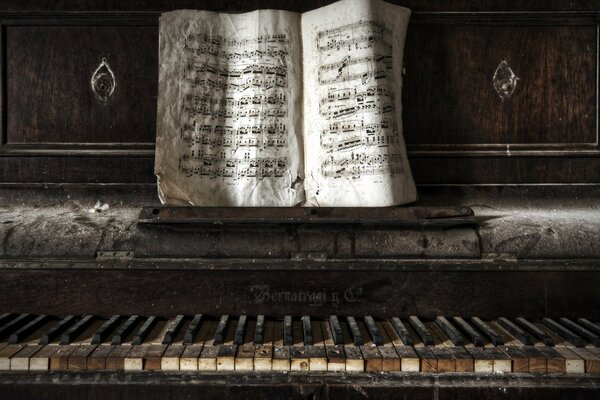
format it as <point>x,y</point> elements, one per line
<point>450,102</point>
<point>49,96</point>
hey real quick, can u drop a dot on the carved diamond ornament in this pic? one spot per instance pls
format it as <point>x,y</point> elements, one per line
<point>505,80</point>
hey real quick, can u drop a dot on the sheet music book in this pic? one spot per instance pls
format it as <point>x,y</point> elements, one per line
<point>276,108</point>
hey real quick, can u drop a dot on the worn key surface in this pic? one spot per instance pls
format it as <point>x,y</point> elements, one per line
<point>409,360</point>
<point>488,331</point>
<point>192,330</point>
<point>281,352</point>
<point>227,350</point>
<point>402,331</point>
<point>173,328</point>
<point>472,334</point>
<point>190,358</point>
<point>97,358</point>
<point>421,330</point>
<point>263,352</point>
<point>78,359</point>
<point>170,358</point>
<point>244,359</point>
<point>370,352</point>
<point>336,356</point>
<point>450,330</point>
<point>357,338</point>
<point>316,353</point>
<point>354,358</point>
<point>390,361</point>
<point>520,362</point>
<point>591,358</point>
<point>429,362</point>
<point>20,360</point>
<point>537,361</point>
<point>298,353</point>
<point>573,363</point>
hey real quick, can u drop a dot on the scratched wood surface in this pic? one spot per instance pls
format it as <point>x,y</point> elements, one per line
<point>458,130</point>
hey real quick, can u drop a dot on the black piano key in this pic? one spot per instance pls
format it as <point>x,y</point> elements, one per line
<point>535,331</point>
<point>336,330</point>
<point>473,335</point>
<point>144,330</point>
<point>259,331</point>
<point>221,330</point>
<point>494,337</point>
<point>589,325</point>
<point>26,330</point>
<point>102,333</point>
<point>287,331</point>
<point>240,330</point>
<point>450,330</point>
<point>516,331</point>
<point>357,338</point>
<point>373,331</point>
<point>563,332</point>
<point>421,330</point>
<point>402,331</point>
<point>307,329</point>
<point>76,329</point>
<point>14,324</point>
<point>57,329</point>
<point>4,318</point>
<point>172,329</point>
<point>192,330</point>
<point>581,331</point>
<point>124,330</point>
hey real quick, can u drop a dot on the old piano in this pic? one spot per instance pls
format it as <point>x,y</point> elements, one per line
<point>487,287</point>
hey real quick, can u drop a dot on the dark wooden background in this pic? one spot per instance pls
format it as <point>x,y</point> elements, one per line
<point>54,130</point>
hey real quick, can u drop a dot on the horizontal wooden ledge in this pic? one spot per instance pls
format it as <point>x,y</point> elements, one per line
<point>396,216</point>
<point>333,265</point>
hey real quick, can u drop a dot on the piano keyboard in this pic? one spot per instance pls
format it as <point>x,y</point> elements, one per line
<point>339,343</point>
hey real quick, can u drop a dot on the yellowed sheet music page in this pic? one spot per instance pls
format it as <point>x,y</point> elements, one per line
<point>230,109</point>
<point>355,151</point>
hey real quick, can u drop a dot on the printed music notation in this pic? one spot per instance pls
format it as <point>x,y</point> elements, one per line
<point>358,165</point>
<point>357,36</point>
<point>236,106</point>
<point>355,134</point>
<point>358,132</point>
<point>218,40</point>
<point>214,167</point>
<point>259,136</point>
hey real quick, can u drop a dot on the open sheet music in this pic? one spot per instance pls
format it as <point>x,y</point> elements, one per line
<point>275,108</point>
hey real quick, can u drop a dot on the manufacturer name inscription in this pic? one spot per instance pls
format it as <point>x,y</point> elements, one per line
<point>265,294</point>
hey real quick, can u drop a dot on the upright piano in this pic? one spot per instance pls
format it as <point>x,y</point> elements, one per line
<point>487,287</point>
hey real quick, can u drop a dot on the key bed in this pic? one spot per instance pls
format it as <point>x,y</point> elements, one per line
<point>299,343</point>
